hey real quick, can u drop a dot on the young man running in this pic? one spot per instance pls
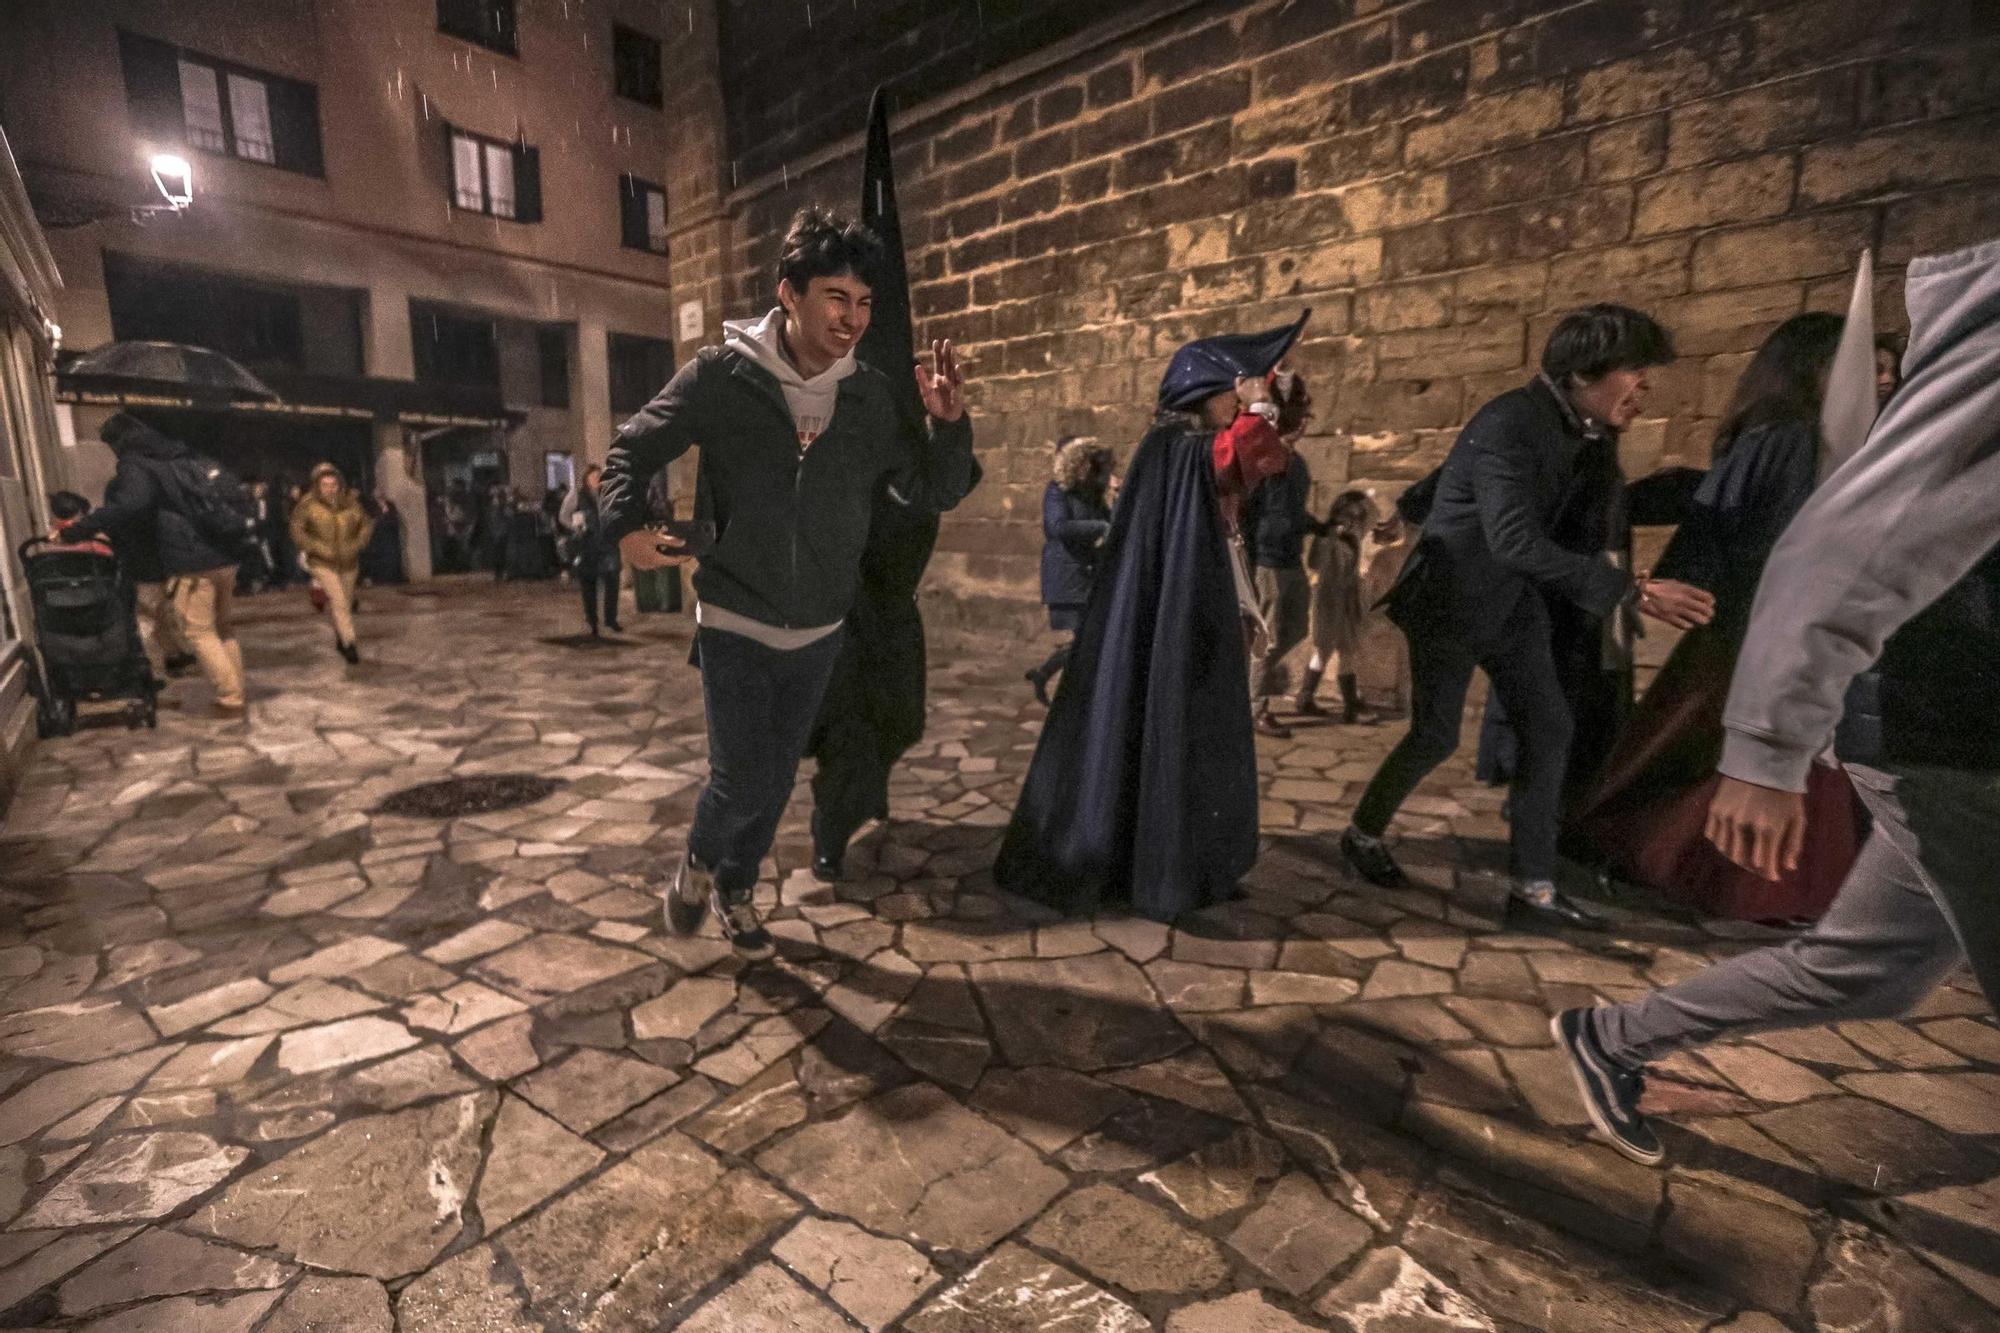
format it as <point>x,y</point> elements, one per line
<point>797,440</point>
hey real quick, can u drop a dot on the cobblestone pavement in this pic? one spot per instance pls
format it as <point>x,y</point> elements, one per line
<point>274,1062</point>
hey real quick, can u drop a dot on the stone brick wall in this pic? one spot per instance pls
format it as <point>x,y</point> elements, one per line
<point>1439,180</point>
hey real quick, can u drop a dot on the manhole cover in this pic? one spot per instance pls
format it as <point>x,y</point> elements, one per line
<point>468,796</point>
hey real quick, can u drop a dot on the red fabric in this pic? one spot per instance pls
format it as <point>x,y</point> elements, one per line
<point>1248,451</point>
<point>96,545</point>
<point>1648,814</point>
<point>317,597</point>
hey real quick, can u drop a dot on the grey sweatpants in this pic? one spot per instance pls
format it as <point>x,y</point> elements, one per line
<point>1924,890</point>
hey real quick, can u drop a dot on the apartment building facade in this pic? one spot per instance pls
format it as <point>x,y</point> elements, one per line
<point>437,228</point>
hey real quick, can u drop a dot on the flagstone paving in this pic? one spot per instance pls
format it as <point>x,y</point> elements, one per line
<point>273,1061</point>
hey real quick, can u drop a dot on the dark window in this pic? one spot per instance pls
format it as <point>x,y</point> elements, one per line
<point>639,368</point>
<point>264,325</point>
<point>489,23</point>
<point>452,348</point>
<point>182,96</point>
<point>503,180</point>
<point>635,65</point>
<point>642,214</point>
<point>552,350</point>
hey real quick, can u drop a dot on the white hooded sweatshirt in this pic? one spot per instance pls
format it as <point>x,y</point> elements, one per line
<point>811,400</point>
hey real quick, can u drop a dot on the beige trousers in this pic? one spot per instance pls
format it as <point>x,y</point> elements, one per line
<point>338,587</point>
<point>159,628</point>
<point>203,602</point>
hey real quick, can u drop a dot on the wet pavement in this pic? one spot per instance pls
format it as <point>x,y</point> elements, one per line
<point>277,1061</point>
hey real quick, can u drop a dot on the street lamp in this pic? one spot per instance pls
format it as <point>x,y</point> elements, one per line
<point>175,179</point>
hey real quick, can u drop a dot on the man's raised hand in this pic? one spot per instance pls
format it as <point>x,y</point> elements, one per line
<point>942,383</point>
<point>647,549</point>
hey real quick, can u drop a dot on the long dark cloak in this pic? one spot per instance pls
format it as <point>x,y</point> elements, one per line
<point>875,702</point>
<point>1143,790</point>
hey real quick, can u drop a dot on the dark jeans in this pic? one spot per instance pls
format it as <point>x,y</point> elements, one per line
<point>590,581</point>
<point>1522,669</point>
<point>761,704</point>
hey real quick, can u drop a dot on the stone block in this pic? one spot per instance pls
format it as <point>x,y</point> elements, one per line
<point>1212,97</point>
<point>1345,159</point>
<point>1747,190</point>
<point>1494,343</point>
<point>1890,161</point>
<point>1628,149</point>
<point>1805,247</point>
<point>1325,61</point>
<point>1706,63</point>
<point>1705,323</point>
<point>1430,84</point>
<point>1490,122</point>
<point>1406,305</point>
<point>1773,115</point>
<point>1395,201</point>
<point>1927,85</point>
<point>1741,1243</point>
<point>1546,167</point>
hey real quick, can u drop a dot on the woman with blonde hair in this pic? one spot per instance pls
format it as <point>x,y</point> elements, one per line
<point>1076,515</point>
<point>331,529</point>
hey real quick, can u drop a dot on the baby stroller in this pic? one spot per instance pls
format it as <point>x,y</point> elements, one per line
<point>86,636</point>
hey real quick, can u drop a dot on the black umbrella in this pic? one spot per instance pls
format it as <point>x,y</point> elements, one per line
<point>163,367</point>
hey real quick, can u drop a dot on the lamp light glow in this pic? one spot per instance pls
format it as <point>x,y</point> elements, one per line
<point>175,179</point>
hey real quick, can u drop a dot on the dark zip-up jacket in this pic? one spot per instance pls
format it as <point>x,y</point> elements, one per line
<point>790,523</point>
<point>154,540</point>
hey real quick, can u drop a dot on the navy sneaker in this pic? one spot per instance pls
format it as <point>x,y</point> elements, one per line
<point>1610,1090</point>
<point>1371,859</point>
<point>740,926</point>
<point>687,896</point>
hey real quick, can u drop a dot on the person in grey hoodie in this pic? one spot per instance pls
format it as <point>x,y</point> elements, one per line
<point>798,441</point>
<point>1885,594</point>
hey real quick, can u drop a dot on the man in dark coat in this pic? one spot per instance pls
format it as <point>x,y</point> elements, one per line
<point>1143,790</point>
<point>142,514</point>
<point>1473,594</point>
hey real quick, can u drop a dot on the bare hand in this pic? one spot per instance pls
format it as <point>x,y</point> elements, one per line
<point>1681,605</point>
<point>1761,829</point>
<point>647,549</point>
<point>942,383</point>
<point>1252,389</point>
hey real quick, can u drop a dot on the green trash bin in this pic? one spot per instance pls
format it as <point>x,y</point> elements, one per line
<point>657,589</point>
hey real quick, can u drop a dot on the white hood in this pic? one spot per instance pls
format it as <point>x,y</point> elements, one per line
<point>811,400</point>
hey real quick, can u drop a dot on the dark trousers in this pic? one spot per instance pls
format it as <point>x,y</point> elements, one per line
<point>1522,669</point>
<point>761,704</point>
<point>850,785</point>
<point>590,582</point>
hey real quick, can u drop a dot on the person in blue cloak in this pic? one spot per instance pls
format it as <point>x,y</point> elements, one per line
<point>1143,790</point>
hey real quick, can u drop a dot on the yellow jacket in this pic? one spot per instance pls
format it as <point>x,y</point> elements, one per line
<point>331,534</point>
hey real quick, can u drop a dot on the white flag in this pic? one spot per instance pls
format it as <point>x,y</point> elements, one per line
<point>1849,407</point>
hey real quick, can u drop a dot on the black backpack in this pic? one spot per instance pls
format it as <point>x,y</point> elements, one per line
<point>209,496</point>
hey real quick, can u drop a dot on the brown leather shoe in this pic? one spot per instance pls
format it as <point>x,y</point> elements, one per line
<point>231,712</point>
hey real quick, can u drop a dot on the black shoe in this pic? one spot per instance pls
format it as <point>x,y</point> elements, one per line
<point>179,664</point>
<point>1266,725</point>
<point>350,652</point>
<point>1041,684</point>
<point>1610,1091</point>
<point>828,869</point>
<point>1560,911</point>
<point>687,896</point>
<point>614,627</point>
<point>740,926</point>
<point>1371,861</point>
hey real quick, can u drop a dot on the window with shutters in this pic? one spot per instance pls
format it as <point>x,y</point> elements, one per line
<point>635,66</point>
<point>487,23</point>
<point>502,180</point>
<point>183,97</point>
<point>639,366</point>
<point>642,214</point>
<point>454,348</point>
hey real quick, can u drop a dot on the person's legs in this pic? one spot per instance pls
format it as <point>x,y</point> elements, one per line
<point>1441,673</point>
<point>588,587</point>
<point>149,604</point>
<point>760,705</point>
<point>849,788</point>
<point>1524,677</point>
<point>225,630</point>
<point>609,582</point>
<point>200,601</point>
<point>339,600</point>
<point>1881,947</point>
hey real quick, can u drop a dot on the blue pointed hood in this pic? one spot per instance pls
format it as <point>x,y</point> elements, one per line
<point>1209,366</point>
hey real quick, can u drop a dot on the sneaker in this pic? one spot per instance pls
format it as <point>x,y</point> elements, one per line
<point>829,868</point>
<point>740,926</point>
<point>1540,901</point>
<point>1371,860</point>
<point>1610,1090</point>
<point>687,896</point>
